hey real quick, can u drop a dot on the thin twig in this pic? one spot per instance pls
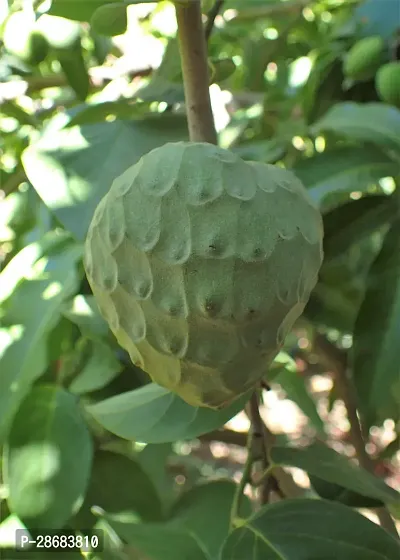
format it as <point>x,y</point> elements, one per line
<point>358,432</point>
<point>246,477</point>
<point>261,448</point>
<point>230,437</point>
<point>193,50</point>
<point>13,182</point>
<point>211,15</point>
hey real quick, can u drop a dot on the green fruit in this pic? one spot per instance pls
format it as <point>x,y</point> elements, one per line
<point>388,83</point>
<point>22,39</point>
<point>201,262</point>
<point>364,58</point>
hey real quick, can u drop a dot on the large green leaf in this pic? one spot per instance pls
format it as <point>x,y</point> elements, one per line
<point>351,222</point>
<point>337,493</point>
<point>158,541</point>
<point>369,122</point>
<point>343,170</point>
<point>102,111</point>
<point>22,264</point>
<point>98,368</point>
<point>73,65</point>
<point>192,511</point>
<point>305,529</point>
<point>377,335</point>
<point>154,461</point>
<point>324,462</point>
<point>80,163</point>
<point>153,414</point>
<point>84,312</point>
<point>32,312</point>
<point>372,20</point>
<point>83,10</point>
<point>47,459</point>
<point>110,19</point>
<point>119,486</point>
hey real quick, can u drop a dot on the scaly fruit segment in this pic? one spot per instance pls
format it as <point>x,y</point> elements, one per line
<point>201,262</point>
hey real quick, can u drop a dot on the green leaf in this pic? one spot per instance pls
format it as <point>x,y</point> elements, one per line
<point>284,372</point>
<point>21,266</point>
<point>337,493</point>
<point>305,529</point>
<point>73,65</point>
<point>372,20</point>
<point>101,111</point>
<point>153,414</point>
<point>159,542</point>
<point>192,511</point>
<point>100,368</point>
<point>83,11</point>
<point>377,333</point>
<point>267,151</point>
<point>343,170</point>
<point>223,68</point>
<point>15,111</point>
<point>369,122</point>
<point>119,486</point>
<point>113,547</point>
<point>33,311</point>
<point>166,83</point>
<point>47,459</point>
<point>110,19</point>
<point>327,464</point>
<point>84,312</point>
<point>351,222</point>
<point>76,9</point>
<point>153,459</point>
<point>102,46</point>
<point>81,163</point>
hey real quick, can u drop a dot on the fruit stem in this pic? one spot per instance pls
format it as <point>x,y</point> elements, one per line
<point>193,50</point>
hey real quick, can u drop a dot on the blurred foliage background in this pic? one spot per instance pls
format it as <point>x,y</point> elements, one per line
<point>87,88</point>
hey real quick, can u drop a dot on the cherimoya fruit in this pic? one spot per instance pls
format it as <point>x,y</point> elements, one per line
<point>201,262</point>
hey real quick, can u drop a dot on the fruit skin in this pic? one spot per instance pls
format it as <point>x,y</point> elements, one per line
<point>364,58</point>
<point>387,83</point>
<point>201,262</point>
<point>23,39</point>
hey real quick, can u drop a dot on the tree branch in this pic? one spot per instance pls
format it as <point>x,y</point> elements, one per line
<point>13,182</point>
<point>212,14</point>
<point>193,50</point>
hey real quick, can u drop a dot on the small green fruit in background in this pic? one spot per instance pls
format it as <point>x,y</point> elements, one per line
<point>201,262</point>
<point>364,58</point>
<point>387,83</point>
<point>23,39</point>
